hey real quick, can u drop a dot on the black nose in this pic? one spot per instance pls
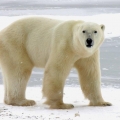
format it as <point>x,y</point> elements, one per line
<point>89,42</point>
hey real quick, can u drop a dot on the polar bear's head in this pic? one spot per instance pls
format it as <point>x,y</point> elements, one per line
<point>89,37</point>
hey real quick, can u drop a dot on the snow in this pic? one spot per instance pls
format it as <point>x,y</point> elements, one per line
<point>72,94</point>
<point>104,69</point>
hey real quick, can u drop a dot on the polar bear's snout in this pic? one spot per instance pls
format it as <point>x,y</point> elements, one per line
<point>89,42</point>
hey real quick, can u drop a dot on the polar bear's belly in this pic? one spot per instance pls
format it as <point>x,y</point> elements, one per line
<point>38,51</point>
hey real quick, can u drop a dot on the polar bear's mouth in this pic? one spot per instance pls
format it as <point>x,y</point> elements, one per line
<point>89,43</point>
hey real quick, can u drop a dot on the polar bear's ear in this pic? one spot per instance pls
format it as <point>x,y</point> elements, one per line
<point>102,27</point>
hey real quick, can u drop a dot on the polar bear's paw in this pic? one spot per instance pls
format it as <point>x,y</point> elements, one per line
<point>27,103</point>
<point>62,106</point>
<point>24,102</point>
<point>100,104</point>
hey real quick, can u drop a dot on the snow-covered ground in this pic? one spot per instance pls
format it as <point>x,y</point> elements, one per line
<point>72,94</point>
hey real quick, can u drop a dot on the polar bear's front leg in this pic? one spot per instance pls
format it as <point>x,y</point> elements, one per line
<point>55,74</point>
<point>89,74</point>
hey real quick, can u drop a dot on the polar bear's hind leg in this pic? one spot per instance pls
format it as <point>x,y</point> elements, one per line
<point>16,72</point>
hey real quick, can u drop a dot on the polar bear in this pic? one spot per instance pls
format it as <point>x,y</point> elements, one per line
<point>57,46</point>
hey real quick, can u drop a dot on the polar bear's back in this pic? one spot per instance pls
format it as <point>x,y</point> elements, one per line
<point>32,33</point>
<point>24,27</point>
<point>42,23</point>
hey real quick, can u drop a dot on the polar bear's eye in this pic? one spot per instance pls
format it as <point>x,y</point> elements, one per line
<point>83,31</point>
<point>95,31</point>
